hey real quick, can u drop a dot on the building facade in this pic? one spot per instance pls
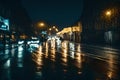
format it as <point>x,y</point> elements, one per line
<point>101,22</point>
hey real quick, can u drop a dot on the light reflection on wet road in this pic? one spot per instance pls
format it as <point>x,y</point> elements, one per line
<point>67,61</point>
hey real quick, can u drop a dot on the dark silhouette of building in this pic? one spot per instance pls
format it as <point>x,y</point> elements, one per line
<point>20,22</point>
<point>99,27</point>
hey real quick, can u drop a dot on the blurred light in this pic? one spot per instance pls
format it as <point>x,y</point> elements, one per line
<point>58,42</point>
<point>20,42</point>
<point>53,43</point>
<point>12,52</point>
<point>20,48</point>
<point>12,36</point>
<point>46,50</point>
<point>41,24</point>
<point>54,27</point>
<point>108,36</point>
<point>72,54</point>
<point>64,57</point>
<point>72,46</point>
<point>52,55</point>
<point>108,13</point>
<point>79,72</point>
<point>64,53</point>
<point>34,37</point>
<point>7,64</point>
<point>78,56</point>
<point>78,60</point>
<point>44,32</point>
<point>78,48</point>
<point>38,74</point>
<point>23,36</point>
<point>109,74</point>
<point>65,44</point>
<point>5,25</point>
<point>65,70</point>
<point>50,29</point>
<point>64,61</point>
<point>40,49</point>
<point>33,42</point>
<point>7,51</point>
<point>20,62</point>
<point>1,36</point>
<point>20,55</point>
<point>37,57</point>
<point>34,45</point>
<point>28,42</point>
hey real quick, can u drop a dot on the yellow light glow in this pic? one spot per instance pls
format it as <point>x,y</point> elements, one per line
<point>56,29</point>
<point>109,74</point>
<point>46,50</point>
<point>53,26</point>
<point>41,24</point>
<point>12,36</point>
<point>50,29</point>
<point>108,13</point>
<point>52,55</point>
<point>23,36</point>
<point>40,49</point>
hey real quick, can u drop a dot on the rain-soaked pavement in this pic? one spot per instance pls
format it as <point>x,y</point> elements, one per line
<point>65,61</point>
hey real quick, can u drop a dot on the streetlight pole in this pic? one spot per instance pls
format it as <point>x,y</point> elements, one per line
<point>107,16</point>
<point>41,29</point>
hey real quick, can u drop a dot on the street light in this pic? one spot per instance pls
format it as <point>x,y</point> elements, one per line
<point>53,30</point>
<point>41,24</point>
<point>50,29</point>
<point>41,30</point>
<point>108,13</point>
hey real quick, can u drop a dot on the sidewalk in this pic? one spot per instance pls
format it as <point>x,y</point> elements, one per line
<point>102,46</point>
<point>112,47</point>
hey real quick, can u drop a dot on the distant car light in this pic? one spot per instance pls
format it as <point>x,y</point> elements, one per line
<point>20,42</point>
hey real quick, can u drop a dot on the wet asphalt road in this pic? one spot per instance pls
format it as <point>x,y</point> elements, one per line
<point>64,61</point>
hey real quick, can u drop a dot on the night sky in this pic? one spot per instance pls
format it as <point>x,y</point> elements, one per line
<point>61,13</point>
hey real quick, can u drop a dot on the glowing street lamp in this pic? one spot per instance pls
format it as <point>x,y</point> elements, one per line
<point>50,29</point>
<point>54,27</point>
<point>41,24</point>
<point>108,13</point>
